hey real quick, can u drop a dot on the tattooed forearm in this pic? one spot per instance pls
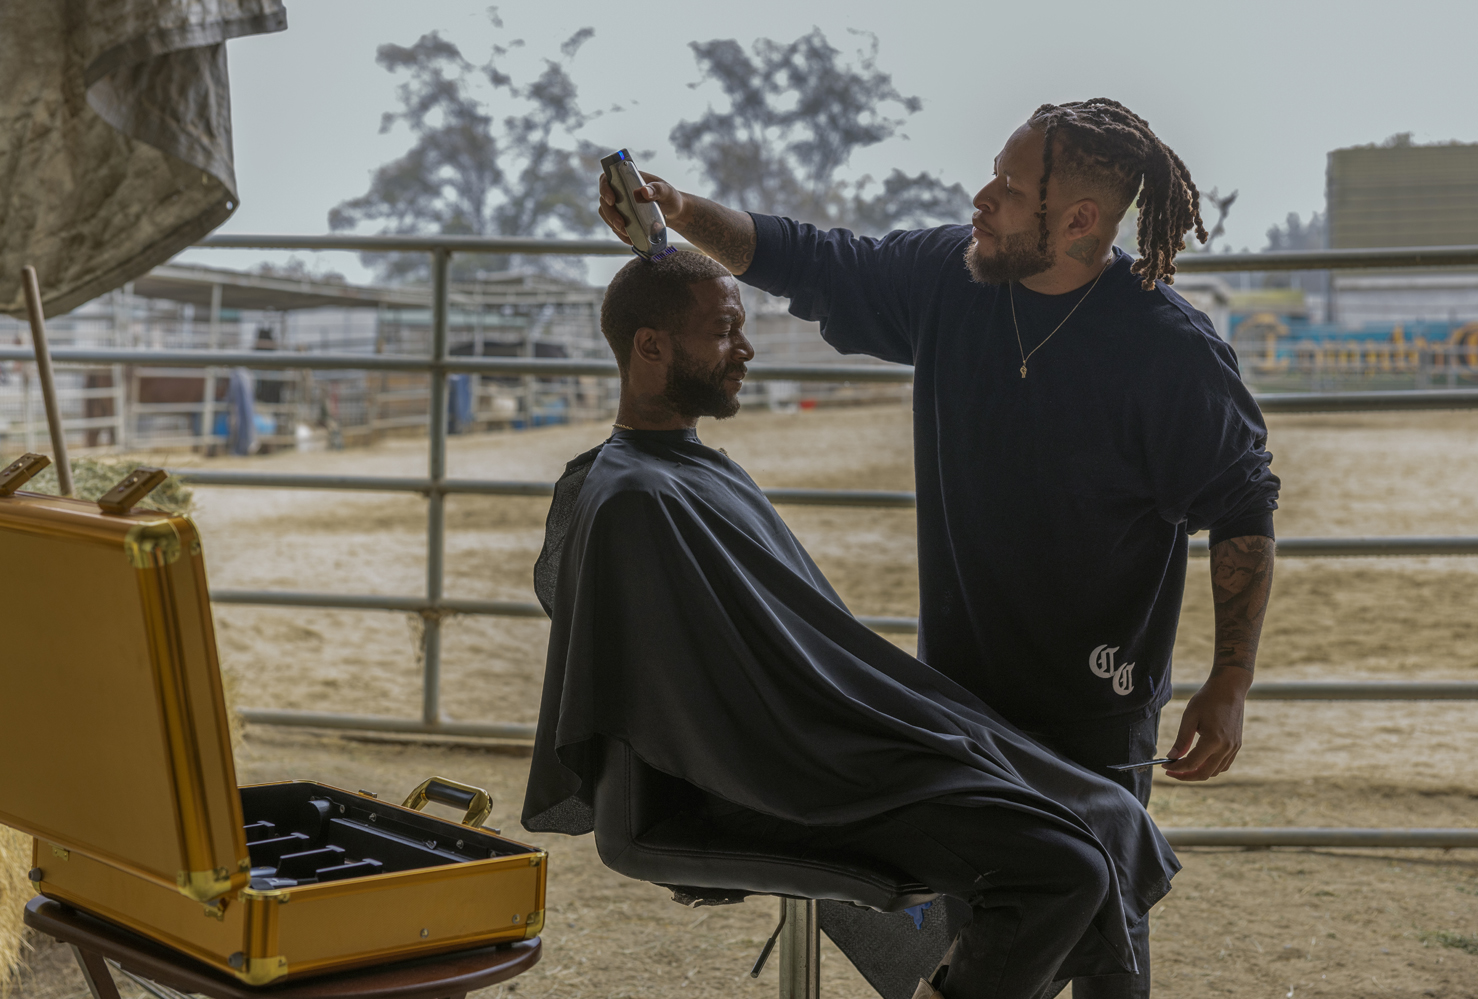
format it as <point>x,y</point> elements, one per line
<point>724,234</point>
<point>1241,580</point>
<point>1085,249</point>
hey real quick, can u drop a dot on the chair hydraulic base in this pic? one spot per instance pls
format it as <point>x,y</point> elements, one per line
<point>799,934</point>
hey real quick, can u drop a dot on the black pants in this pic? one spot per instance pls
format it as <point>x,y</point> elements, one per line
<point>1033,888</point>
<point>1095,746</point>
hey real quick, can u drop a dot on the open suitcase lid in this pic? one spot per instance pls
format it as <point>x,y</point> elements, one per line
<point>113,726</point>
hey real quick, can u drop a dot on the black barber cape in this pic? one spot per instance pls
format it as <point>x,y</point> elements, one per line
<point>690,623</point>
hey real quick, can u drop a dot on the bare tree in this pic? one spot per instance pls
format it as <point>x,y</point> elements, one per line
<point>469,173</point>
<point>1296,234</point>
<point>795,114</point>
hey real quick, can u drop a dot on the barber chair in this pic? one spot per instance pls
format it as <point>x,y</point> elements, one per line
<point>650,826</point>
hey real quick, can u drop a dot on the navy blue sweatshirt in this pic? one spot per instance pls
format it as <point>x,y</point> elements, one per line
<point>1053,510</point>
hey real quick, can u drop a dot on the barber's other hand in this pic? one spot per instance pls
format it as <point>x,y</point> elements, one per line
<point>667,197</point>
<point>1213,719</point>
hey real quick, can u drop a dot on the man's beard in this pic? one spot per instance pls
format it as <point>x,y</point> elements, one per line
<point>693,391</point>
<point>1018,257</point>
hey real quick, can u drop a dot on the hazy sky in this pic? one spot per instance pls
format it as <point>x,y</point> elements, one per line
<point>1251,94</point>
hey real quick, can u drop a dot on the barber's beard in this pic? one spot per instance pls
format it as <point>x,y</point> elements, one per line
<point>1017,258</point>
<point>693,391</point>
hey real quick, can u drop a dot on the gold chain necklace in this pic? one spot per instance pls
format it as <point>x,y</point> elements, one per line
<point>622,426</point>
<point>1010,290</point>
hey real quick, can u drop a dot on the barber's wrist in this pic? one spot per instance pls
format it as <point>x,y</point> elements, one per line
<point>1229,679</point>
<point>683,216</point>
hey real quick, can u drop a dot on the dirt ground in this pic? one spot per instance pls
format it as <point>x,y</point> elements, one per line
<point>1280,923</point>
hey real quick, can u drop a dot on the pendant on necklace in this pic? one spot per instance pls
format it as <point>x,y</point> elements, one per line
<point>1023,371</point>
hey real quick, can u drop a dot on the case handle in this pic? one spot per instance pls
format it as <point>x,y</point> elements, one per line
<point>135,486</point>
<point>20,471</point>
<point>454,795</point>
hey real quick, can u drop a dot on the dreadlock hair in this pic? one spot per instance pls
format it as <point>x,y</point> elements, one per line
<point>1105,144</point>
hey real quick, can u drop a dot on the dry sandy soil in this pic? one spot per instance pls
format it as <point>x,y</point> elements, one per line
<point>1283,923</point>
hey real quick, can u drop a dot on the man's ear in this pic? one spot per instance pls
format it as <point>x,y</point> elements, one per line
<point>649,345</point>
<point>1082,218</point>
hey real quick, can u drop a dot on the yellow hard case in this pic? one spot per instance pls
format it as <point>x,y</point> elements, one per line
<point>115,754</point>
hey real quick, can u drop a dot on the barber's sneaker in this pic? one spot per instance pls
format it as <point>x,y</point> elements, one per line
<point>927,991</point>
<point>929,987</point>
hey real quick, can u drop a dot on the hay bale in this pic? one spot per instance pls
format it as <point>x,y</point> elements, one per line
<point>92,477</point>
<point>15,892</point>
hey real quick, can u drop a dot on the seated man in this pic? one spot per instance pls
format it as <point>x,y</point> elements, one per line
<point>689,623</point>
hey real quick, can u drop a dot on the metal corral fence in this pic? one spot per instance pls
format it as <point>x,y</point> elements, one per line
<point>434,605</point>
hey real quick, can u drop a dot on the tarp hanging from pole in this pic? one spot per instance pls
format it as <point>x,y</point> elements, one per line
<point>115,136</point>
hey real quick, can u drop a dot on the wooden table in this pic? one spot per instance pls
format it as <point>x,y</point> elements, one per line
<point>96,941</point>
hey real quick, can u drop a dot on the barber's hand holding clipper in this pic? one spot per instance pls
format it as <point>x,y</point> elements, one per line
<point>656,191</point>
<point>725,234</point>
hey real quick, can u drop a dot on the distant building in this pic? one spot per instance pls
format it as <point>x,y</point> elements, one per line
<point>139,407</point>
<point>1402,194</point>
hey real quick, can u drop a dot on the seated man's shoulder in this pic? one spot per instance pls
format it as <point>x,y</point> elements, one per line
<point>617,479</point>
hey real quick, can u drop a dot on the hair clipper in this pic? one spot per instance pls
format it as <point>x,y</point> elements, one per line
<point>645,226</point>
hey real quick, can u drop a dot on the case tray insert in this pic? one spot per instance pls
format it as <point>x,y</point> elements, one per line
<point>302,833</point>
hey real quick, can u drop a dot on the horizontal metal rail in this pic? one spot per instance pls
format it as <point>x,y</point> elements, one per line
<point>1186,263</point>
<point>362,483</point>
<point>1329,260</point>
<point>545,367</point>
<point>840,497</point>
<point>1263,691</point>
<point>384,723</point>
<point>371,601</point>
<point>1348,690</point>
<point>1199,547</point>
<point>446,605</point>
<point>1335,547</point>
<point>493,487</point>
<point>420,244</point>
<point>1288,547</point>
<point>1367,402</point>
<point>1440,839</point>
<point>568,367</point>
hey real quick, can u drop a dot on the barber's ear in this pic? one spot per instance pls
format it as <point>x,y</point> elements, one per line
<point>1082,218</point>
<point>648,344</point>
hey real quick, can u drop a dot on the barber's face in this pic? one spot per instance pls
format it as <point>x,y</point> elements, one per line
<point>1007,236</point>
<point>709,353</point>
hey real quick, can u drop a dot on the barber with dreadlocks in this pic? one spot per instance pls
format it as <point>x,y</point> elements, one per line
<point>1074,421</point>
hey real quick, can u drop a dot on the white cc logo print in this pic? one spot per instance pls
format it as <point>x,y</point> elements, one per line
<point>1101,662</point>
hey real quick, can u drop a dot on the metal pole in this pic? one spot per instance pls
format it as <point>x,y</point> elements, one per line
<point>208,408</point>
<point>28,405</point>
<point>1435,839</point>
<point>435,498</point>
<point>800,950</point>
<point>48,382</point>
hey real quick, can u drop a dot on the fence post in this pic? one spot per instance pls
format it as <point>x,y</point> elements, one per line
<point>435,499</point>
<point>208,403</point>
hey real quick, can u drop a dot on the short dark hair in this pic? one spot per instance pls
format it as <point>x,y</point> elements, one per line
<point>1106,144</point>
<point>654,293</point>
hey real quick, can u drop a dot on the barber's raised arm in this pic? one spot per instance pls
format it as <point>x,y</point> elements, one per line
<point>865,292</point>
<point>724,234</point>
